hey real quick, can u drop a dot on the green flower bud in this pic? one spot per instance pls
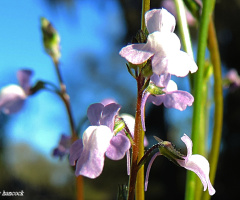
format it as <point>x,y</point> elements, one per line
<point>51,39</point>
<point>168,150</point>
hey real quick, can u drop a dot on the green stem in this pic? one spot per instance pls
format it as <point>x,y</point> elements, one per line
<point>65,98</point>
<point>198,115</point>
<point>183,27</point>
<point>218,97</point>
<point>184,32</point>
<point>145,8</point>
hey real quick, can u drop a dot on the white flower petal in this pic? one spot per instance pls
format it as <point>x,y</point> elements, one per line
<point>180,64</point>
<point>12,98</point>
<point>159,20</point>
<point>171,86</point>
<point>198,164</point>
<point>96,140</point>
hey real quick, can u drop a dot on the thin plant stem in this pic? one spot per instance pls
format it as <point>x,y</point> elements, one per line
<point>218,98</point>
<point>198,115</point>
<point>135,148</point>
<point>184,32</point>
<point>140,195</point>
<point>183,27</point>
<point>65,98</point>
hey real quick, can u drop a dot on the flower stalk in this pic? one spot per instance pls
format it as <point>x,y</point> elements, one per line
<point>198,115</point>
<point>136,179</point>
<point>218,97</point>
<point>65,98</point>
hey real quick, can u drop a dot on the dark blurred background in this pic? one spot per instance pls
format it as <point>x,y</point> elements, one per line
<point>88,73</point>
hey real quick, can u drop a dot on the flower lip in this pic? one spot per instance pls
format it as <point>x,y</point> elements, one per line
<point>198,164</point>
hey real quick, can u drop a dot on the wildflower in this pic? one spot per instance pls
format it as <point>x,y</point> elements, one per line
<point>63,147</point>
<point>98,140</point>
<point>171,97</point>
<point>196,163</point>
<point>232,80</point>
<point>12,97</point>
<point>163,46</point>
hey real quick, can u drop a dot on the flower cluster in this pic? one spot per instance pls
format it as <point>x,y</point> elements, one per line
<point>162,47</point>
<point>155,58</point>
<point>163,50</point>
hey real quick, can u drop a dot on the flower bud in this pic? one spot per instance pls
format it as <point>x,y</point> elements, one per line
<point>51,39</point>
<point>168,150</point>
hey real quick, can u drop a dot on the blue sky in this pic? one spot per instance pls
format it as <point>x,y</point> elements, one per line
<point>90,33</point>
<point>86,31</point>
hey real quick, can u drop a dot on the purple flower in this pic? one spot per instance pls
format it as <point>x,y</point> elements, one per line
<point>172,97</point>
<point>196,163</point>
<point>97,141</point>
<point>232,80</point>
<point>63,146</point>
<point>12,97</point>
<point>163,46</point>
<point>89,152</point>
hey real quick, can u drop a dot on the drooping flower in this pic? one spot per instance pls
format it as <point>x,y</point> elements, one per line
<point>196,163</point>
<point>12,97</point>
<point>97,141</point>
<point>163,46</point>
<point>63,147</point>
<point>172,97</point>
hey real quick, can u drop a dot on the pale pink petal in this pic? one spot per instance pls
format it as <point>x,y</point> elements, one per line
<point>12,98</point>
<point>188,143</point>
<point>96,140</point>
<point>180,64</point>
<point>136,53</point>
<point>171,86</point>
<point>159,20</point>
<point>128,162</point>
<point>143,104</point>
<point>198,164</point>
<point>178,100</point>
<point>94,113</point>
<point>75,151</point>
<point>163,44</point>
<point>162,80</point>
<point>24,79</point>
<point>149,167</point>
<point>118,147</point>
